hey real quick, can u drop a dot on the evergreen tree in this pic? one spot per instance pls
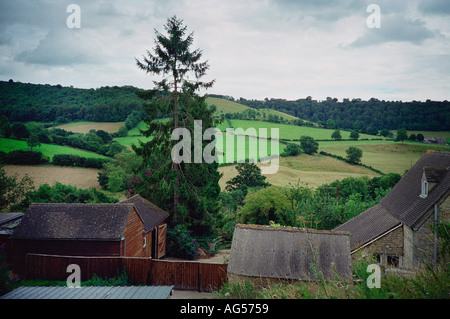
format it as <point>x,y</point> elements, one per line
<point>189,191</point>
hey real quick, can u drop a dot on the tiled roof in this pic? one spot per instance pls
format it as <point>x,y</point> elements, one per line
<point>74,221</point>
<point>403,203</point>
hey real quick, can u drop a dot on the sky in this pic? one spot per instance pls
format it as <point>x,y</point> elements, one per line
<point>256,49</point>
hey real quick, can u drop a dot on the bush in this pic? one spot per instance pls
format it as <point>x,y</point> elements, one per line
<point>26,158</point>
<point>79,161</point>
<point>181,243</point>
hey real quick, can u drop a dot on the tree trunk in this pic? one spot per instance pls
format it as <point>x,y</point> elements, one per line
<point>176,167</point>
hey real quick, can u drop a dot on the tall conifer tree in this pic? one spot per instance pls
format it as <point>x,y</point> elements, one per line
<point>189,191</point>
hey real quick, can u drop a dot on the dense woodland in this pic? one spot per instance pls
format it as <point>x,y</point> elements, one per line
<point>22,102</point>
<point>362,115</point>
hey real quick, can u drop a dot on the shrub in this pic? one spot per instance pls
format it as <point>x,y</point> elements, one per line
<point>26,158</point>
<point>181,243</point>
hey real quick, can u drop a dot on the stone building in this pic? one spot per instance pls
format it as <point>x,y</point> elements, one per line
<point>399,231</point>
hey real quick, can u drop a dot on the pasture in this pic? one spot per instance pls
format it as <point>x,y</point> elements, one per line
<point>387,156</point>
<point>292,132</point>
<point>7,145</point>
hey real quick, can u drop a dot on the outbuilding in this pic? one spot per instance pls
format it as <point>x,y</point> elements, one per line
<point>133,228</point>
<point>267,254</point>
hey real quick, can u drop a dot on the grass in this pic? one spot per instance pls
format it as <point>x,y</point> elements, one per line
<point>225,106</point>
<point>292,132</point>
<point>424,284</point>
<point>8,145</point>
<point>387,156</point>
<point>308,170</point>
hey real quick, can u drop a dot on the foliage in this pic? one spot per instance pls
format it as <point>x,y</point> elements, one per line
<point>359,114</point>
<point>354,155</point>
<point>325,207</point>
<point>12,190</point>
<point>188,191</point>
<point>308,145</point>
<point>354,135</point>
<point>265,205</point>
<point>292,150</point>
<point>21,157</point>
<point>59,193</point>
<point>22,102</point>
<point>336,135</point>
<point>79,161</point>
<point>249,175</point>
<point>181,243</point>
<point>33,141</point>
<point>401,135</point>
<point>424,284</point>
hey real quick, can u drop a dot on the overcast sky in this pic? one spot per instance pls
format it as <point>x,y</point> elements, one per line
<point>256,48</point>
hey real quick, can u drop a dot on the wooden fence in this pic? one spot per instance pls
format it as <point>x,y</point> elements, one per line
<point>183,275</point>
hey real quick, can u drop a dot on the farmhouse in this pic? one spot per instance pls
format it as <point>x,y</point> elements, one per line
<point>264,254</point>
<point>132,228</point>
<point>400,230</point>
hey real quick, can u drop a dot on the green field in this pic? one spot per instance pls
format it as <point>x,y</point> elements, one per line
<point>387,156</point>
<point>8,145</point>
<point>292,132</point>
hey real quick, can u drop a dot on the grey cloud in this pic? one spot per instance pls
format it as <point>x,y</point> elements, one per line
<point>62,47</point>
<point>435,7</point>
<point>395,28</point>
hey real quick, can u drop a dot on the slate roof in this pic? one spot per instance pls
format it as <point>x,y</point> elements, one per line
<point>150,214</point>
<point>129,292</point>
<point>403,203</point>
<point>74,221</point>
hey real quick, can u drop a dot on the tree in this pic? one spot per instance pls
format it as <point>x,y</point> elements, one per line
<point>412,137</point>
<point>386,133</point>
<point>420,137</point>
<point>249,175</point>
<point>266,205</point>
<point>354,155</point>
<point>354,135</point>
<point>336,135</point>
<point>292,150</point>
<point>401,135</point>
<point>19,130</point>
<point>309,144</point>
<point>189,191</point>
<point>12,190</point>
<point>33,141</point>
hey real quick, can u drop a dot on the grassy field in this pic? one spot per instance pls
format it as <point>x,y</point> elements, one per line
<point>75,176</point>
<point>292,131</point>
<point>387,156</point>
<point>307,170</point>
<point>8,145</point>
<point>84,126</point>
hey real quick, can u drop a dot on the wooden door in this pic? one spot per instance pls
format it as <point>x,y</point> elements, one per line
<point>162,233</point>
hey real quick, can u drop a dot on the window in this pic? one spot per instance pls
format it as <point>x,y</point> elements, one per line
<point>424,189</point>
<point>145,242</point>
<point>393,261</point>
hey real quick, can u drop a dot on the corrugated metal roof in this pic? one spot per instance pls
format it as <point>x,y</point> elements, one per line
<point>128,292</point>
